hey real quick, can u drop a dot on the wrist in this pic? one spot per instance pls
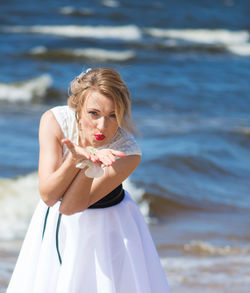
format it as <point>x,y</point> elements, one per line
<point>72,160</point>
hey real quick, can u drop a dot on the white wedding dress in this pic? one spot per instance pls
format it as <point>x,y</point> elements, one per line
<point>105,250</point>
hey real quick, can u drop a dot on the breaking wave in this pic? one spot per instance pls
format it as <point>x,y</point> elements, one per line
<point>204,36</point>
<point>126,33</point>
<point>18,198</point>
<point>69,10</point>
<point>87,53</point>
<point>217,40</point>
<point>25,91</point>
<point>201,247</point>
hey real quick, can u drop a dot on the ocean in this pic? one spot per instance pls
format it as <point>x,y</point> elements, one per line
<point>186,64</point>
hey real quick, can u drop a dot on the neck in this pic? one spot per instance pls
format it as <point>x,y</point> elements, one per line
<point>83,142</point>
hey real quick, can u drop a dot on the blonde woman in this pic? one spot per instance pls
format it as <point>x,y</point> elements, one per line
<point>87,235</point>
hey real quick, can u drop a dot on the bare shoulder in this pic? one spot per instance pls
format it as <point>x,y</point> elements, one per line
<point>47,118</point>
<point>49,124</point>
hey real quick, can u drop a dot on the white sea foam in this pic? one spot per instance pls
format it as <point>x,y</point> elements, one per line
<point>202,36</point>
<point>127,33</point>
<point>25,91</point>
<point>104,55</point>
<point>237,42</point>
<point>67,10</point>
<point>201,247</point>
<point>90,53</point>
<point>242,49</point>
<point>18,199</point>
<point>38,50</point>
<point>110,3</point>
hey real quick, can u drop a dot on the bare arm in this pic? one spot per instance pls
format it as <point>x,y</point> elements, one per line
<point>55,176</point>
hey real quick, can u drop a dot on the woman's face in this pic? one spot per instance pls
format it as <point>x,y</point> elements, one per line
<point>98,123</point>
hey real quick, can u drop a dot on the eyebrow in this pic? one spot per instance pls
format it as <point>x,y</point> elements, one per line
<point>96,110</point>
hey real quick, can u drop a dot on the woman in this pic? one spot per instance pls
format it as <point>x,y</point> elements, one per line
<point>87,234</point>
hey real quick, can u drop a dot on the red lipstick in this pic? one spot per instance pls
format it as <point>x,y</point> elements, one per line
<point>99,136</point>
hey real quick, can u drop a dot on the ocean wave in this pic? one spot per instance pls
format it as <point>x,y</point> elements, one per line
<point>240,136</point>
<point>205,36</point>
<point>217,40</point>
<point>126,33</point>
<point>110,3</point>
<point>194,164</point>
<point>243,131</point>
<point>202,247</point>
<point>241,50</point>
<point>19,196</point>
<point>25,91</point>
<point>167,199</point>
<point>180,47</point>
<point>208,273</point>
<point>88,53</point>
<point>69,10</point>
<point>161,206</point>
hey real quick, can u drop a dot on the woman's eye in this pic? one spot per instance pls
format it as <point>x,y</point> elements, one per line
<point>93,113</point>
<point>113,116</point>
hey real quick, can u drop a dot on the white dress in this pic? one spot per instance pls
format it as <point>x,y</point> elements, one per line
<point>106,250</point>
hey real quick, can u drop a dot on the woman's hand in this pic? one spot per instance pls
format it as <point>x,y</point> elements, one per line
<point>106,157</point>
<point>78,153</point>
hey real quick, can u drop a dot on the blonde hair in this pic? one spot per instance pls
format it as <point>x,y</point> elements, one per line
<point>109,83</point>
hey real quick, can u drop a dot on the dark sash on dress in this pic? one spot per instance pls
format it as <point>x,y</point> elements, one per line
<point>111,199</point>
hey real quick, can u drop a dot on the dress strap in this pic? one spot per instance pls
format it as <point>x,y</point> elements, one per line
<point>57,232</point>
<point>45,221</point>
<point>57,237</point>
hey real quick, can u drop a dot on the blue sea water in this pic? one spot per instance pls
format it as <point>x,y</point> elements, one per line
<point>186,64</point>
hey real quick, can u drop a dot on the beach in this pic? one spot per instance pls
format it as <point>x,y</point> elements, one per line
<point>186,64</point>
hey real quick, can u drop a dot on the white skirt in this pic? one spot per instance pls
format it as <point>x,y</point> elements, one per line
<point>108,250</point>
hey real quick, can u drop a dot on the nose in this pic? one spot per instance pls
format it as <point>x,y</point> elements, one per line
<point>102,123</point>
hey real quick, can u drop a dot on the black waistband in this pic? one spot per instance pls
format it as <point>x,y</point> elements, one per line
<point>111,199</point>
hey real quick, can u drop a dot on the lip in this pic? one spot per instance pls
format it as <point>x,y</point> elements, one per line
<point>99,136</point>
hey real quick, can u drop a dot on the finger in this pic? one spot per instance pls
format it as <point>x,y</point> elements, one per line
<point>103,157</point>
<point>118,154</point>
<point>69,144</point>
<point>81,152</point>
<point>64,140</point>
<point>111,158</point>
<point>99,163</point>
<point>93,158</point>
<point>108,160</point>
<point>75,150</point>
